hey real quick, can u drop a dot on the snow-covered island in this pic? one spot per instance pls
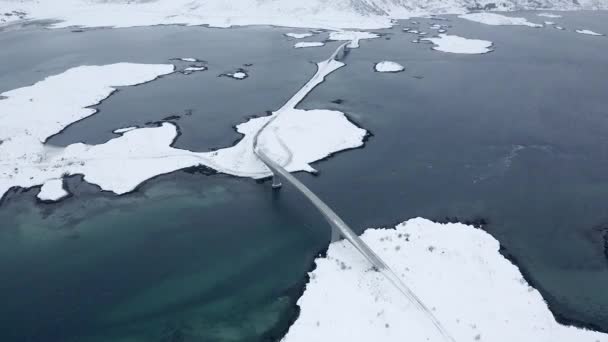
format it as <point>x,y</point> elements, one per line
<point>456,270</point>
<point>301,45</point>
<point>32,114</point>
<point>456,44</point>
<point>388,66</point>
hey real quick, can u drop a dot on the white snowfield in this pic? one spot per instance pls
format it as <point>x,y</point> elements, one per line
<point>456,44</point>
<point>30,115</point>
<point>334,14</point>
<point>300,45</point>
<point>456,270</point>
<point>498,19</point>
<point>388,66</point>
<point>589,32</point>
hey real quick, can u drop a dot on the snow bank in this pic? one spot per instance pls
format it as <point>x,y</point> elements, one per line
<point>32,114</point>
<point>456,44</point>
<point>388,66</point>
<point>497,19</point>
<point>456,270</point>
<point>300,45</point>
<point>589,32</point>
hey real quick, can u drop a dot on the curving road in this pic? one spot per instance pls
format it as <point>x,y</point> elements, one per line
<point>338,226</point>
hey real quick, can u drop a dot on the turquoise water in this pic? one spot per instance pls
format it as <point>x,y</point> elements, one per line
<point>516,137</point>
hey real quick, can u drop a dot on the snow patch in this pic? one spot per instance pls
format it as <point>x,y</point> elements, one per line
<point>456,270</point>
<point>192,69</point>
<point>188,59</point>
<point>300,45</point>
<point>52,191</point>
<point>299,35</point>
<point>124,130</point>
<point>388,66</point>
<point>497,19</point>
<point>589,32</point>
<point>549,15</point>
<point>456,44</point>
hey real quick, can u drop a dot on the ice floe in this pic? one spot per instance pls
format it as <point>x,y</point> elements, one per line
<point>589,32</point>
<point>353,36</point>
<point>299,35</point>
<point>549,23</point>
<point>456,270</point>
<point>456,44</point>
<point>300,45</point>
<point>188,59</point>
<point>497,19</point>
<point>388,66</point>
<point>30,115</point>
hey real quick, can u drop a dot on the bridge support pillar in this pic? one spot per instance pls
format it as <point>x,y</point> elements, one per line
<point>276,182</point>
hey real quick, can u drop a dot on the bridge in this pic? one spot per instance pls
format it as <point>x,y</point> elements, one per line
<point>339,229</point>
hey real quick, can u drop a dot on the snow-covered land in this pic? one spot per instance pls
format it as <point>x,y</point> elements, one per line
<point>52,190</point>
<point>335,14</point>
<point>498,19</point>
<point>30,115</point>
<point>300,45</point>
<point>456,44</point>
<point>589,32</point>
<point>388,66</point>
<point>456,270</point>
<point>299,35</point>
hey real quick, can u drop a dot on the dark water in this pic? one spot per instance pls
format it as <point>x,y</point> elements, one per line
<point>517,137</point>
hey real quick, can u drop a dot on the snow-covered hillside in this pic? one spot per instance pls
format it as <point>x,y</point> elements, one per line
<point>293,13</point>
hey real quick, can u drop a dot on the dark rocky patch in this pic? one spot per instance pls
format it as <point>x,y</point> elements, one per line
<point>200,169</point>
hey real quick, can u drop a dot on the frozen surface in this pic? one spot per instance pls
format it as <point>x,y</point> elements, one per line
<point>589,32</point>
<point>299,35</point>
<point>497,19</point>
<point>188,59</point>
<point>32,114</point>
<point>456,44</point>
<point>352,36</point>
<point>388,66</point>
<point>52,190</point>
<point>300,45</point>
<point>456,270</point>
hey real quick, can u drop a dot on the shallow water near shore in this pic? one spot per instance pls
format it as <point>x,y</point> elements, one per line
<point>516,137</point>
